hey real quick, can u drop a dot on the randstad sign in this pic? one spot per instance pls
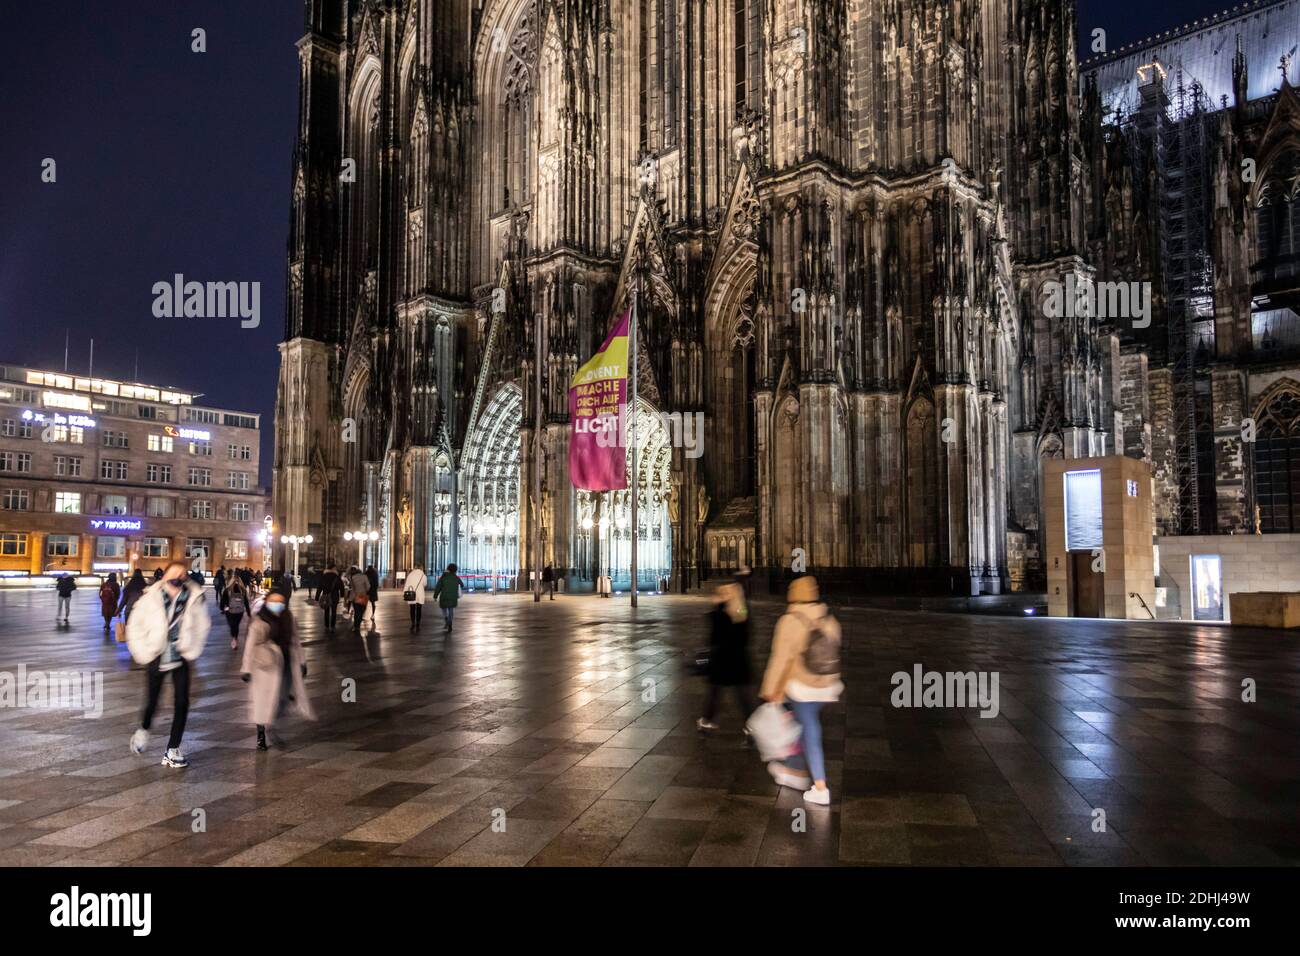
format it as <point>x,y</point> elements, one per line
<point>116,524</point>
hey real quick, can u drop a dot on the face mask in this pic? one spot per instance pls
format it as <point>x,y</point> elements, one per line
<point>275,608</point>
<point>175,582</point>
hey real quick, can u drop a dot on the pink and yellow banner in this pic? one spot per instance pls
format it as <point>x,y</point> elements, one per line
<point>597,397</point>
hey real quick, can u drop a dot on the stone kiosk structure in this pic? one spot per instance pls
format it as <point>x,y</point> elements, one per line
<point>1097,523</point>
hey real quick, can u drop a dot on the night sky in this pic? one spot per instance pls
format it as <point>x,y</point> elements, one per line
<point>174,161</point>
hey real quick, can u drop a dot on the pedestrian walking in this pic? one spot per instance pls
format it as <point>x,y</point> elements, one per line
<point>64,585</point>
<point>235,603</point>
<point>804,671</point>
<point>135,587</point>
<point>548,580</point>
<point>166,632</point>
<point>728,654</point>
<point>360,587</point>
<point>157,574</point>
<point>372,576</point>
<point>413,595</point>
<point>447,591</point>
<point>328,591</point>
<point>219,583</point>
<point>274,667</point>
<point>110,592</point>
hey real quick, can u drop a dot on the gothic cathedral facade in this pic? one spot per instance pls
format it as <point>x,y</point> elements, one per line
<point>835,216</point>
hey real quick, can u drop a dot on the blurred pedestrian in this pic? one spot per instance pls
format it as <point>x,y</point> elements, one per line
<point>131,593</point>
<point>447,591</point>
<point>64,585</point>
<point>728,654</point>
<point>157,574</point>
<point>274,667</point>
<point>219,582</point>
<point>413,595</point>
<point>360,588</point>
<point>235,603</point>
<point>166,632</point>
<point>804,671</point>
<point>548,580</point>
<point>110,592</point>
<point>372,576</point>
<point>328,591</point>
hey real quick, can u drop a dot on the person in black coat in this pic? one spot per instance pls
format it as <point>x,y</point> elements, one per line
<point>728,654</point>
<point>329,591</point>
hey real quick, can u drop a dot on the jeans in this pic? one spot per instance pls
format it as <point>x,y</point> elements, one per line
<point>358,612</point>
<point>808,714</point>
<point>331,613</point>
<point>181,690</point>
<point>65,604</point>
<point>233,620</point>
<point>448,613</point>
<point>417,610</point>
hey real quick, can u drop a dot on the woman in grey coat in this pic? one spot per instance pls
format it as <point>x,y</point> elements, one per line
<point>274,666</point>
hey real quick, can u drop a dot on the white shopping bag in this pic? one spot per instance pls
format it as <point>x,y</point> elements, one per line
<point>775,731</point>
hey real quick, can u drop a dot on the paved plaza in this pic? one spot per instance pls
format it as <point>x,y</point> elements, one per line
<point>570,726</point>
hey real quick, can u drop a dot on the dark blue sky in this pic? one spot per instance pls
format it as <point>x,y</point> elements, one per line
<point>173,161</point>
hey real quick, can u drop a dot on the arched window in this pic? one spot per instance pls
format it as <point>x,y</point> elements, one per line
<point>922,487</point>
<point>658,58</point>
<point>1277,219</point>
<point>518,117</point>
<point>1277,462</point>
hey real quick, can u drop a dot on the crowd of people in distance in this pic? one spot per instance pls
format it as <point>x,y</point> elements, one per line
<point>165,624</point>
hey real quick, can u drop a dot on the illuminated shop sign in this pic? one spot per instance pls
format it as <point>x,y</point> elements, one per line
<point>197,434</point>
<point>57,418</point>
<point>116,524</point>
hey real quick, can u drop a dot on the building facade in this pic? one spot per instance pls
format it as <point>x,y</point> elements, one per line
<point>1196,171</point>
<point>838,219</point>
<point>99,475</point>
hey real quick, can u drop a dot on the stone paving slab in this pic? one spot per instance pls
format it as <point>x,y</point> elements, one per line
<point>529,737</point>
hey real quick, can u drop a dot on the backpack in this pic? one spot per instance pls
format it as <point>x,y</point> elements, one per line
<point>821,655</point>
<point>235,604</point>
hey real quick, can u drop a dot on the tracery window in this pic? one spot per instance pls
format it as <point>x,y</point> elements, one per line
<point>1277,220</point>
<point>518,118</point>
<point>1277,463</point>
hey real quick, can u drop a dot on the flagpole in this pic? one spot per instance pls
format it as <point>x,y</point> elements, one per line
<point>631,344</point>
<point>537,474</point>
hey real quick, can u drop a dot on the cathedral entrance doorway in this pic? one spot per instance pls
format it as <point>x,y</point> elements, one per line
<point>603,543</point>
<point>489,506</point>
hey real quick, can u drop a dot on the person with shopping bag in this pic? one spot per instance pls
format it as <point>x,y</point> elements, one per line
<point>728,656</point>
<point>803,671</point>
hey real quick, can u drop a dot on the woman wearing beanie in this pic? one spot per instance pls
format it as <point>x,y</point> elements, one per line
<point>804,672</point>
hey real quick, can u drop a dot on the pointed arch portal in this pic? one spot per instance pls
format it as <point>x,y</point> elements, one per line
<point>603,542</point>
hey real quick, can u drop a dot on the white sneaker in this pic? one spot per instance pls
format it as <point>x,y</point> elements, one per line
<point>786,777</point>
<point>701,724</point>
<point>139,740</point>
<point>820,796</point>
<point>174,758</point>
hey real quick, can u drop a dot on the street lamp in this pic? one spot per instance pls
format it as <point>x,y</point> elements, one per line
<point>295,540</point>
<point>361,537</point>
